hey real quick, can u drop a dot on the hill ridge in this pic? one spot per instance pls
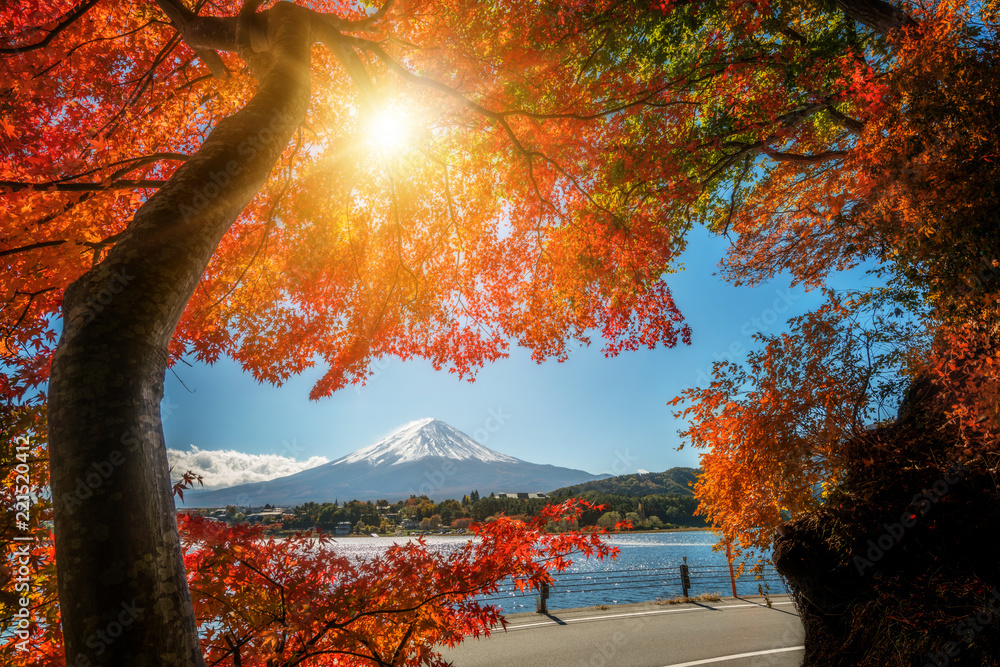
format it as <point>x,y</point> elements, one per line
<point>678,480</point>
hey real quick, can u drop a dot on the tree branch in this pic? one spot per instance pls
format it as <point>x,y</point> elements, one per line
<point>70,18</point>
<point>279,586</point>
<point>182,19</point>
<point>818,158</point>
<point>786,120</point>
<point>109,183</point>
<point>132,164</point>
<point>878,15</point>
<point>64,57</point>
<point>851,124</point>
<point>33,246</point>
<point>402,644</point>
<point>365,23</point>
<point>8,334</point>
<point>93,245</point>
<point>645,99</point>
<point>56,186</point>
<point>142,83</point>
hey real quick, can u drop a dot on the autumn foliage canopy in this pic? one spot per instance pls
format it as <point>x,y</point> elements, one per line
<point>471,174</point>
<point>511,207</point>
<point>913,195</point>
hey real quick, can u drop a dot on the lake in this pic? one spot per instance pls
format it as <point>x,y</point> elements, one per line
<point>648,568</point>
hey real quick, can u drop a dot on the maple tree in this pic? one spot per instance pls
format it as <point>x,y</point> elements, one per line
<point>774,430</point>
<point>282,602</point>
<point>220,180</point>
<point>799,457</point>
<point>915,194</point>
<point>140,203</point>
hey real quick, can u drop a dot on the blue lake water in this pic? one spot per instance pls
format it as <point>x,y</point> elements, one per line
<point>647,568</point>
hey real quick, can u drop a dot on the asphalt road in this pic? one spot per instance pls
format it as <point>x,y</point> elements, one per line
<point>736,632</point>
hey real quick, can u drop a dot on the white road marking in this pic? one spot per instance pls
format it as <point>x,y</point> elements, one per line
<point>736,656</point>
<point>567,621</point>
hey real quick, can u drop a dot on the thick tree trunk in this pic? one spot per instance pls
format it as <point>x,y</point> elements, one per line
<point>895,565</point>
<point>122,588</point>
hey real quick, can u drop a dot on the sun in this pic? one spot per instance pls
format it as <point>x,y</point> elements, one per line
<point>389,131</point>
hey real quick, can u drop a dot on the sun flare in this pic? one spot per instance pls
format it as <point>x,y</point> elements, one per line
<point>389,131</point>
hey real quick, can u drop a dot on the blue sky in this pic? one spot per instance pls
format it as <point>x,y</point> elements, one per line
<point>596,414</point>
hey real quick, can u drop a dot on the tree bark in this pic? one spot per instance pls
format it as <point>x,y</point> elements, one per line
<point>122,588</point>
<point>882,17</point>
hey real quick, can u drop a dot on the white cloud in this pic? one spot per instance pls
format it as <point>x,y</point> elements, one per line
<point>228,467</point>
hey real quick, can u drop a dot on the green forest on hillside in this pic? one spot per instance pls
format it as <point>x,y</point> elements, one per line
<point>676,481</point>
<point>649,500</point>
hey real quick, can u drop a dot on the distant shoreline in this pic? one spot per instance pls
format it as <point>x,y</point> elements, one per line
<point>466,535</point>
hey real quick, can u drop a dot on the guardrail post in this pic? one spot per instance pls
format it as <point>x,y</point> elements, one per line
<point>685,579</point>
<point>732,577</point>
<point>543,596</point>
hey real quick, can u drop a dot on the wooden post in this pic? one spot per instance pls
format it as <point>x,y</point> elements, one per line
<point>729,557</point>
<point>685,579</point>
<point>543,596</point>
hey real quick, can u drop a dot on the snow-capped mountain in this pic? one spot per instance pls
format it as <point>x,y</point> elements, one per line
<point>423,457</point>
<point>420,439</point>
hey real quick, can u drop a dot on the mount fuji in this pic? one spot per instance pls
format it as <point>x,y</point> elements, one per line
<point>423,457</point>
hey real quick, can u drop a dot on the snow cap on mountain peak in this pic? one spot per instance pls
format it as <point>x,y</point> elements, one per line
<point>424,438</point>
